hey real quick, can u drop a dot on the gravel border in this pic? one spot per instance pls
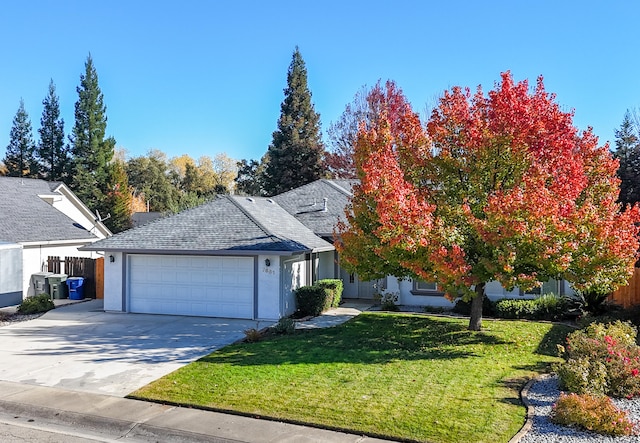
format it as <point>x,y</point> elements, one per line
<point>540,394</point>
<point>9,319</point>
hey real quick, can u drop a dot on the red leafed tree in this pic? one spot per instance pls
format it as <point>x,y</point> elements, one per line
<point>497,187</point>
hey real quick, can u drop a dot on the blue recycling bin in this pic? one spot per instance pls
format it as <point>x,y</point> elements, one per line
<point>76,288</point>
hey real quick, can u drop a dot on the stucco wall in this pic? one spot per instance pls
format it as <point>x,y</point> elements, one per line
<point>294,275</point>
<point>113,284</point>
<point>269,287</point>
<point>10,274</point>
<point>493,290</point>
<point>34,259</point>
<point>325,266</point>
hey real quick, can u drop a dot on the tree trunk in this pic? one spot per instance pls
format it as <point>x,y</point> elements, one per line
<point>475,320</point>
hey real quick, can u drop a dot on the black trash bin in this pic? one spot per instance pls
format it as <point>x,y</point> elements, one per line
<point>57,286</point>
<point>76,288</point>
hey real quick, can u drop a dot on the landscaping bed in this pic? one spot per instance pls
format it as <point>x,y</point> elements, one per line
<point>401,376</point>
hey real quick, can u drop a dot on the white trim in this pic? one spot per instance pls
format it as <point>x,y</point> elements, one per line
<point>62,188</point>
<point>80,241</point>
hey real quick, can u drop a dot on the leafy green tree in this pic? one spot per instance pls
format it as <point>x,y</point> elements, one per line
<point>250,178</point>
<point>91,151</point>
<point>20,159</point>
<point>119,199</point>
<point>193,180</point>
<point>150,176</point>
<point>52,153</point>
<point>296,153</point>
<point>628,154</point>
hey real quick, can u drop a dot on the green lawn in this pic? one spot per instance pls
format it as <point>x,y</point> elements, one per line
<point>401,376</point>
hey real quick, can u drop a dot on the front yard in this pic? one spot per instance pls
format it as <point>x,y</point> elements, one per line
<point>400,376</point>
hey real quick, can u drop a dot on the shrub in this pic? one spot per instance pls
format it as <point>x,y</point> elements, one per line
<point>252,335</point>
<point>36,304</point>
<point>622,332</point>
<point>464,307</point>
<point>389,301</point>
<point>597,414</point>
<point>545,307</point>
<point>313,300</point>
<point>609,346</point>
<point>594,301</point>
<point>582,376</point>
<point>336,286</point>
<point>512,308</point>
<point>284,326</point>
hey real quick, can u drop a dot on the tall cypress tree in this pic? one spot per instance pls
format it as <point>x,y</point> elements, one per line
<point>20,158</point>
<point>628,154</point>
<point>118,199</point>
<point>91,151</point>
<point>296,152</point>
<point>52,153</point>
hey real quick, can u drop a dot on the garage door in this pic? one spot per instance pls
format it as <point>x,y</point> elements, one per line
<point>187,285</point>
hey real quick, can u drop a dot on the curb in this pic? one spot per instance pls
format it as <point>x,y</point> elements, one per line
<point>528,423</point>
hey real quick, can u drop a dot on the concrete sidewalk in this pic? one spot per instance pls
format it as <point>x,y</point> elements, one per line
<point>107,418</point>
<point>336,316</point>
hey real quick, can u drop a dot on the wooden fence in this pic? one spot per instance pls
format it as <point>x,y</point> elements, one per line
<point>92,270</point>
<point>629,295</point>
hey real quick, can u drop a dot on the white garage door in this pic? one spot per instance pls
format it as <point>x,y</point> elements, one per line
<point>188,285</point>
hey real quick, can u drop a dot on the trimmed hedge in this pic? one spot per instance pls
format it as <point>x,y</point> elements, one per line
<point>323,295</point>
<point>334,285</point>
<point>545,307</point>
<point>313,300</point>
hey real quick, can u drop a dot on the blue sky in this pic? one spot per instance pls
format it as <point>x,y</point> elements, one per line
<point>203,77</point>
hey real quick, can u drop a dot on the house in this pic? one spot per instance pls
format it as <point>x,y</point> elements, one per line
<point>319,205</point>
<point>233,257</point>
<point>43,219</point>
<point>242,257</point>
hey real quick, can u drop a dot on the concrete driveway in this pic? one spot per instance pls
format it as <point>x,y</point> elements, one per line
<point>80,347</point>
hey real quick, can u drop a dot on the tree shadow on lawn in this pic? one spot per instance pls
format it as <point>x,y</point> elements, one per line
<point>366,339</point>
<point>557,335</point>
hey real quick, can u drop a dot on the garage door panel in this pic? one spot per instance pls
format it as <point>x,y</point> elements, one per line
<point>183,285</point>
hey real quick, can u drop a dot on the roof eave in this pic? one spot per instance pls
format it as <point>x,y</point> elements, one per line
<point>197,251</point>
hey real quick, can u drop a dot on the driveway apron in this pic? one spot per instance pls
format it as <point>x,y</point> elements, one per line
<point>82,348</point>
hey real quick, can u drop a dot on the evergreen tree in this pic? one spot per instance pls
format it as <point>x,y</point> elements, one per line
<point>90,150</point>
<point>20,158</point>
<point>628,154</point>
<point>296,152</point>
<point>52,153</point>
<point>119,199</point>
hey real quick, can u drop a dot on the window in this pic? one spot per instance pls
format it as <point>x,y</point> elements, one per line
<point>551,286</point>
<point>425,288</point>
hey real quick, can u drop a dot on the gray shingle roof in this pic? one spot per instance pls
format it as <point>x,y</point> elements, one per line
<point>25,217</point>
<point>306,203</point>
<point>232,224</point>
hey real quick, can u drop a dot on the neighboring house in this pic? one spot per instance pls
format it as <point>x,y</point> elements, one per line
<point>44,219</point>
<point>10,274</point>
<point>234,257</point>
